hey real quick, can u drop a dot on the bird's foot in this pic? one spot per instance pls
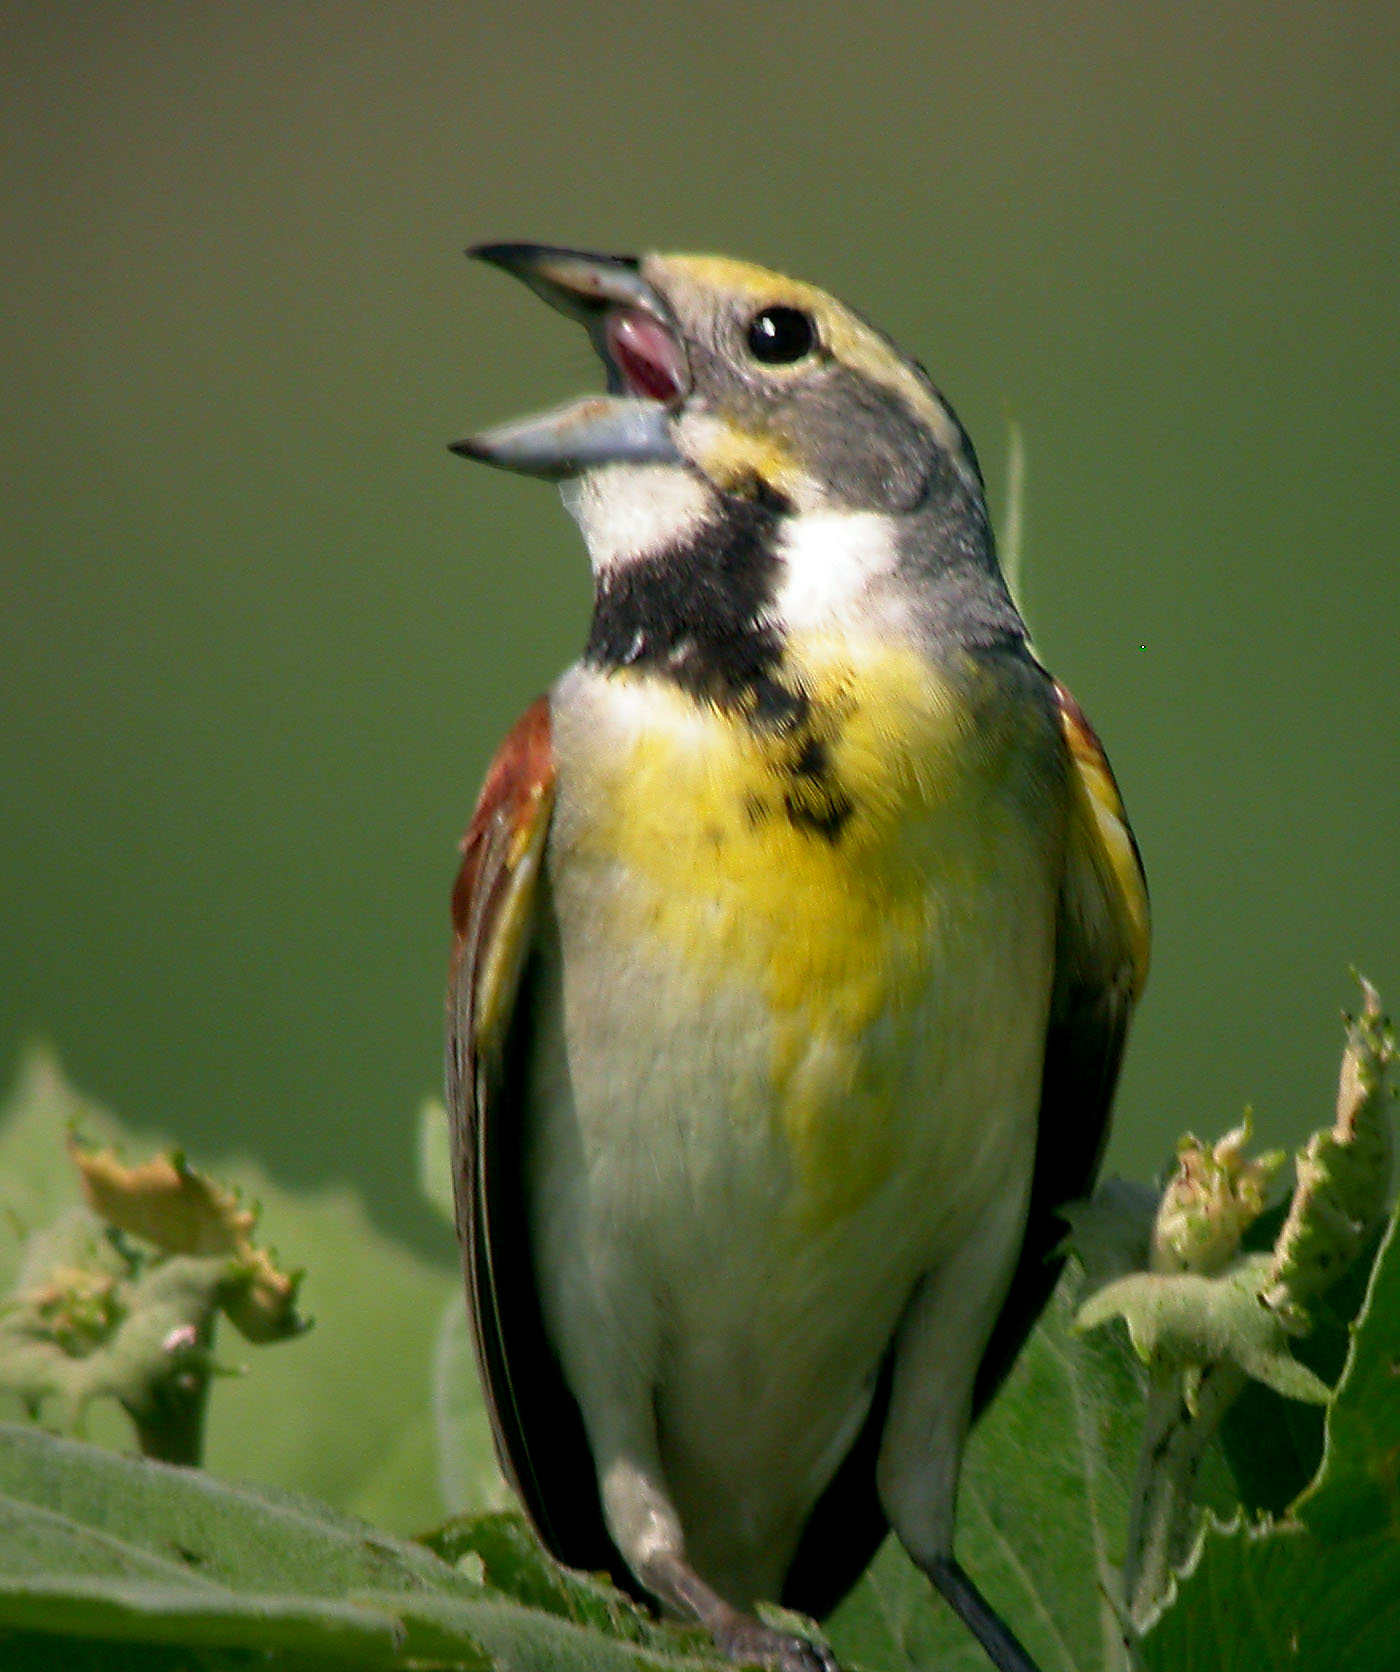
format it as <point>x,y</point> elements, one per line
<point>736,1634</point>
<point>751,1643</point>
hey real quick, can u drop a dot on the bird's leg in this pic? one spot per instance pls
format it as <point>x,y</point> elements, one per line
<point>647,1530</point>
<point>736,1634</point>
<point>940,1343</point>
<point>1002,1646</point>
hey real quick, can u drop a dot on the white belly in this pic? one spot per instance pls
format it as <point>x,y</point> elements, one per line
<point>737,1178</point>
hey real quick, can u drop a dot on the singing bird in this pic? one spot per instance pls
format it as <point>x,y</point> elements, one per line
<point>797,933</point>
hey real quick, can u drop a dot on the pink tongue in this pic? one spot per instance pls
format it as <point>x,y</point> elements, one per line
<point>646,354</point>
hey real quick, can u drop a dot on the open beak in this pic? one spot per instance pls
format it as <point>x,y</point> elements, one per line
<point>634,333</point>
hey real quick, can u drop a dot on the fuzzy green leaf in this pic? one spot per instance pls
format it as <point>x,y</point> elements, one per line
<point>96,1548</point>
<point>1274,1445</point>
<point>1182,1319</point>
<point>344,1412</point>
<point>1321,1590</point>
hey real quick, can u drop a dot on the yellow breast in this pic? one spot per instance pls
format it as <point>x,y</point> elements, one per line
<point>840,869</point>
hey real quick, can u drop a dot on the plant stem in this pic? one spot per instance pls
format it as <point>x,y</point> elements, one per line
<point>1164,1514</point>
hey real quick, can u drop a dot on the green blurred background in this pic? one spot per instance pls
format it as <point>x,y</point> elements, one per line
<point>260,633</point>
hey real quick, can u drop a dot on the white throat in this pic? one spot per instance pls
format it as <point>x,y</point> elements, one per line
<point>835,566</point>
<point>630,512</point>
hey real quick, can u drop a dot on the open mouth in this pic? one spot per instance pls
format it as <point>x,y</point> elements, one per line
<point>644,355</point>
<point>632,329</point>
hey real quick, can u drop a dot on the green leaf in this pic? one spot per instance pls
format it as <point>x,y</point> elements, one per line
<point>1358,1490</point>
<point>110,1550</point>
<point>1182,1319</point>
<point>1042,1517</point>
<point>1343,1173</point>
<point>512,1560</point>
<point>1321,1590</point>
<point>1110,1232</point>
<point>469,1477</point>
<point>435,1158</point>
<point>344,1412</point>
<point>1274,1445</point>
<point>1260,1600</point>
<point>37,1181</point>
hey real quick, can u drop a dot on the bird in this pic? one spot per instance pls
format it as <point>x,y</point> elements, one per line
<point>797,933</point>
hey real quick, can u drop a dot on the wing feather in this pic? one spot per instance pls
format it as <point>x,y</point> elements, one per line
<point>497,910</point>
<point>1102,947</point>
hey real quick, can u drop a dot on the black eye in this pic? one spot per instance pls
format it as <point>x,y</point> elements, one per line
<point>778,336</point>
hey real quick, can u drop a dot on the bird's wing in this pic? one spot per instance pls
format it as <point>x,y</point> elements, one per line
<point>497,911</point>
<point>1101,955</point>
